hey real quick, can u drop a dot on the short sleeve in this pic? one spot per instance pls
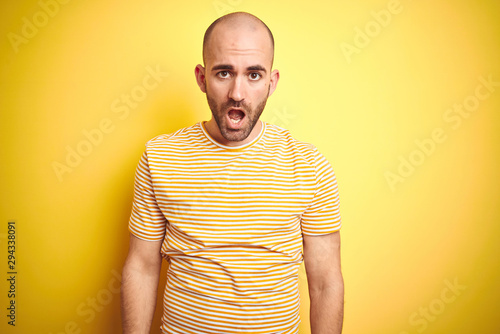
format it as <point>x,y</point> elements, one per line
<point>323,214</point>
<point>146,222</point>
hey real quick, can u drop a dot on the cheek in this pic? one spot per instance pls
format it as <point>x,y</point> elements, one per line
<point>216,90</point>
<point>262,93</point>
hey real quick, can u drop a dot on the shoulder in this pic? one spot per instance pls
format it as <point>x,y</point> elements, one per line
<point>178,139</point>
<point>281,139</point>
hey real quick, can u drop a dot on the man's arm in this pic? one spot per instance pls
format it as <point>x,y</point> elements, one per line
<point>326,285</point>
<point>141,274</point>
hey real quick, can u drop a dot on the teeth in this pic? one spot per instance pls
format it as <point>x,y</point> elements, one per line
<point>235,121</point>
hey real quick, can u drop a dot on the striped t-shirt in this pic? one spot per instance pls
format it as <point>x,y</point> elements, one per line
<point>231,220</point>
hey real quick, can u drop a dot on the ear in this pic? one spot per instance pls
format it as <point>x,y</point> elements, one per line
<point>199,72</point>
<point>275,76</point>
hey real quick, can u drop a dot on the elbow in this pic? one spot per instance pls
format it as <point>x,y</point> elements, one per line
<point>327,284</point>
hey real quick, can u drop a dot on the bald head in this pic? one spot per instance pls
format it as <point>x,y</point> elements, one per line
<point>236,21</point>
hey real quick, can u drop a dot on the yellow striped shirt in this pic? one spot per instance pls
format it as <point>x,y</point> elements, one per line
<point>231,220</point>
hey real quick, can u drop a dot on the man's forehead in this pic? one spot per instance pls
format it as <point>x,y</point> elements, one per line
<point>246,43</point>
<point>238,32</point>
<point>240,35</point>
<point>240,21</point>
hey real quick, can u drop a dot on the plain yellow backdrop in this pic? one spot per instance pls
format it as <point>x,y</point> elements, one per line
<point>402,97</point>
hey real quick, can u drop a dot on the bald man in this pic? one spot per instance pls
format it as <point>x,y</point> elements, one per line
<point>234,205</point>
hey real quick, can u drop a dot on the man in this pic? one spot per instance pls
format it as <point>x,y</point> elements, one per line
<point>230,203</point>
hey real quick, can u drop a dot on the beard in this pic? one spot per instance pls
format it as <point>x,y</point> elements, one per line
<point>219,112</point>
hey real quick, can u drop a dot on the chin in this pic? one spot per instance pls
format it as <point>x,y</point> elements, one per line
<point>235,136</point>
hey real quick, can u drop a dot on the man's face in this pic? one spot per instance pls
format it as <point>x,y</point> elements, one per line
<point>238,79</point>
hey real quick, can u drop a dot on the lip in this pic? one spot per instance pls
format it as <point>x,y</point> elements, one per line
<point>238,109</point>
<point>232,125</point>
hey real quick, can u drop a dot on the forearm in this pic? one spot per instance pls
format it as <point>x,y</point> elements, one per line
<point>138,299</point>
<point>327,308</point>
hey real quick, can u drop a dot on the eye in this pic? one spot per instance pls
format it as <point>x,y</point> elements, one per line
<point>223,74</point>
<point>255,76</point>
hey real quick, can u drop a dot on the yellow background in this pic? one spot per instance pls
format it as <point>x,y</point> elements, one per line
<point>402,243</point>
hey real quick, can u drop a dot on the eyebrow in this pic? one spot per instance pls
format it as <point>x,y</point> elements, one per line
<point>256,68</point>
<point>222,67</point>
<point>231,67</point>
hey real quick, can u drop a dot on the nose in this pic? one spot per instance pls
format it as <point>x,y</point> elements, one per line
<point>237,89</point>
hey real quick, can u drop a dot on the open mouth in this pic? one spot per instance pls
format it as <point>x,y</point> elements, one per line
<point>236,115</point>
